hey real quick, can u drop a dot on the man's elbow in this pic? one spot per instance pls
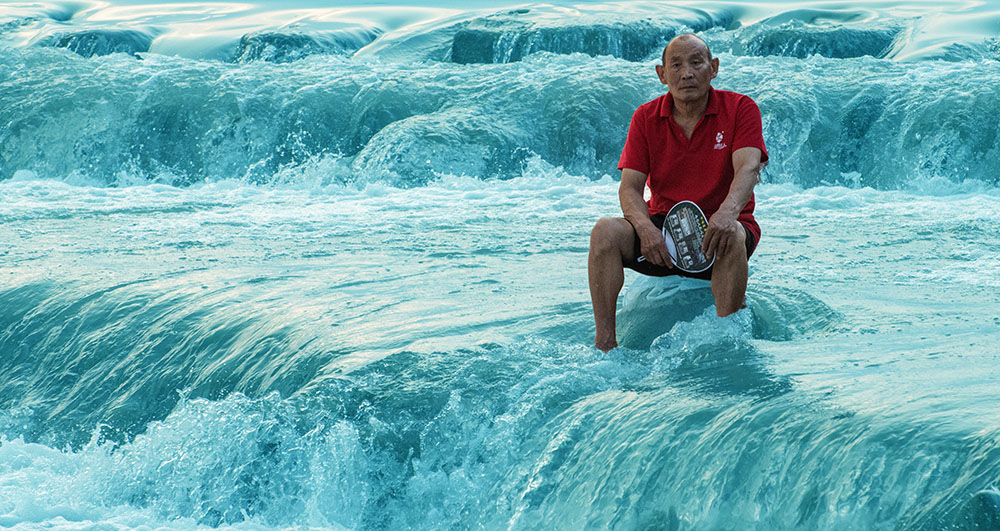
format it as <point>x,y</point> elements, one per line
<point>632,184</point>
<point>753,169</point>
<point>757,170</point>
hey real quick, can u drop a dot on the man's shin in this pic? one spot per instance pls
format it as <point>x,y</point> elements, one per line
<point>729,285</point>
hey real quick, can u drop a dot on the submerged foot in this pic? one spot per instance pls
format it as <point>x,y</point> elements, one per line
<point>605,344</point>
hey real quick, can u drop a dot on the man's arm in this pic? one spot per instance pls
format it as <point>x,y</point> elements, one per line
<point>723,227</point>
<point>637,213</point>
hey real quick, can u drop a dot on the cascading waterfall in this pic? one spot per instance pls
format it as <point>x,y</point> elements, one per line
<point>273,265</point>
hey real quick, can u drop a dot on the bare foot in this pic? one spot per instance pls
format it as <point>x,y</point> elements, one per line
<point>605,345</point>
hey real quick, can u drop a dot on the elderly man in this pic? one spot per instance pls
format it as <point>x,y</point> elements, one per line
<point>694,143</point>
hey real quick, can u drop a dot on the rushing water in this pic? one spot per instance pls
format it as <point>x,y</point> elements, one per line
<point>285,264</point>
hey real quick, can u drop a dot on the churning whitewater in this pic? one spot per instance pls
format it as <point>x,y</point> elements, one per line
<point>280,264</point>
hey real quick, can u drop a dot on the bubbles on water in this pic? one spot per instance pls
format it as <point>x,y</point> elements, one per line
<point>983,510</point>
<point>17,422</point>
<point>211,463</point>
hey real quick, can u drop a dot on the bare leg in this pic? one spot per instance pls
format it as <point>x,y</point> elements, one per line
<point>729,278</point>
<point>611,242</point>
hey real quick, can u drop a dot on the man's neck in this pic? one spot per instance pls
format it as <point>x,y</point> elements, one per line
<point>690,110</point>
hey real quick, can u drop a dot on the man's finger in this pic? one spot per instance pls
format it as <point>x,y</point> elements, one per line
<point>659,256</point>
<point>708,246</point>
<point>662,256</point>
<point>651,256</point>
<point>667,262</point>
<point>722,247</point>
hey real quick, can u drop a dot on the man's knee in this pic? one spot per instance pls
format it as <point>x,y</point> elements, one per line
<point>608,234</point>
<point>736,251</point>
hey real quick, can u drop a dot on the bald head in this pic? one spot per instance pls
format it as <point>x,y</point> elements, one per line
<point>688,69</point>
<point>685,44</point>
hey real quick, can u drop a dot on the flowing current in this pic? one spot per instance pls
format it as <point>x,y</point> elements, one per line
<point>287,264</point>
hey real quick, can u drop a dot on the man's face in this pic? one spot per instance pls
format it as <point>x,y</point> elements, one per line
<point>687,71</point>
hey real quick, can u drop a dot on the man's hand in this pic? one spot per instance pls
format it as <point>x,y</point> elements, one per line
<point>722,235</point>
<point>654,248</point>
<point>651,243</point>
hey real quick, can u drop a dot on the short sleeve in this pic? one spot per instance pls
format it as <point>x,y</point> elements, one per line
<point>749,132</point>
<point>635,154</point>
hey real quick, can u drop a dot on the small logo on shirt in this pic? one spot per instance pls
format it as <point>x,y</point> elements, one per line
<point>718,140</point>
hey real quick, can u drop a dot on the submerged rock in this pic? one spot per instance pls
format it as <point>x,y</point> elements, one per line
<point>280,47</point>
<point>90,43</point>
<point>509,37</point>
<point>800,40</point>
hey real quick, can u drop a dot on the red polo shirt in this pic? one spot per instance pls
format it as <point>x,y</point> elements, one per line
<point>698,169</point>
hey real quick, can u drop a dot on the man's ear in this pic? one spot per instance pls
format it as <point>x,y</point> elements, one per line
<point>715,67</point>
<point>661,73</point>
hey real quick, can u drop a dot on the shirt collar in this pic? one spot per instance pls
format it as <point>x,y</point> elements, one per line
<point>667,104</point>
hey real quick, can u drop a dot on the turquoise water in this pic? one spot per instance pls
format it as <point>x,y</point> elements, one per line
<point>289,265</point>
